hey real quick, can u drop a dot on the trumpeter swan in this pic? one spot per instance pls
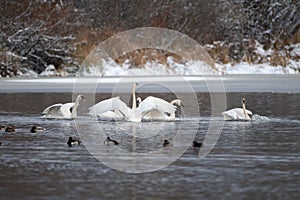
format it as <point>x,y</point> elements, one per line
<point>134,114</point>
<point>63,111</point>
<point>111,115</point>
<point>110,109</point>
<point>158,115</point>
<point>238,113</point>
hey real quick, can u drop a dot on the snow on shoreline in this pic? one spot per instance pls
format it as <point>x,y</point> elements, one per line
<point>171,67</point>
<point>246,68</point>
<point>192,68</point>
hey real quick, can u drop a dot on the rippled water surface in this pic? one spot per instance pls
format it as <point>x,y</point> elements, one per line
<point>251,160</point>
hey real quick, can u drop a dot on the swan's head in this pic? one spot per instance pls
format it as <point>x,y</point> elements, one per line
<point>80,96</point>
<point>243,101</point>
<point>134,85</point>
<point>177,102</point>
<point>138,101</point>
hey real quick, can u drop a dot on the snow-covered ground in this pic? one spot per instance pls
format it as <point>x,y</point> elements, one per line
<point>260,66</point>
<point>190,68</point>
<point>246,68</point>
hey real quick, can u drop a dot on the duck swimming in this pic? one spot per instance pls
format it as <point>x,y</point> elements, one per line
<point>2,128</point>
<point>110,141</point>
<point>196,144</point>
<point>36,129</point>
<point>167,143</point>
<point>10,128</point>
<point>72,142</point>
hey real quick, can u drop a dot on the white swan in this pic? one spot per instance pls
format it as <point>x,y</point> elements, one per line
<point>133,114</point>
<point>63,111</point>
<point>238,113</point>
<point>110,109</point>
<point>160,116</point>
<point>111,115</point>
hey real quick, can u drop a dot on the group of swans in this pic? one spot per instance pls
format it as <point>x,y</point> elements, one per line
<point>151,108</point>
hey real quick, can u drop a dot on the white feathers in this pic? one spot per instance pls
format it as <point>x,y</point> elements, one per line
<point>238,113</point>
<point>62,111</point>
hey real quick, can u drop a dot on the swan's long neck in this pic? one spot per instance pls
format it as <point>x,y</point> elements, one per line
<point>244,110</point>
<point>172,115</point>
<point>74,109</point>
<point>133,97</point>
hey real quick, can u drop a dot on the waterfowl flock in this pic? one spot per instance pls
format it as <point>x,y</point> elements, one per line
<point>113,109</point>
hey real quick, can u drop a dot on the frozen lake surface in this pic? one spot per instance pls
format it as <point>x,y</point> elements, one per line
<point>229,83</point>
<point>258,160</point>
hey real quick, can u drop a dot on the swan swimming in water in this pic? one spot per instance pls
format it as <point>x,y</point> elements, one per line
<point>63,111</point>
<point>115,115</point>
<point>158,115</point>
<point>106,109</point>
<point>134,114</point>
<point>238,113</point>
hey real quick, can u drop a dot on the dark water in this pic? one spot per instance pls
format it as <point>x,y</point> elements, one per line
<point>251,160</point>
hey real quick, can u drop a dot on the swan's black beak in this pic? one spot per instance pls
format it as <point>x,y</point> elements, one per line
<point>181,104</point>
<point>243,100</point>
<point>83,98</point>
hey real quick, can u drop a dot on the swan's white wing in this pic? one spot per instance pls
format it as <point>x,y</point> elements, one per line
<point>229,115</point>
<point>249,112</point>
<point>53,111</point>
<point>66,109</point>
<point>154,103</point>
<point>109,105</point>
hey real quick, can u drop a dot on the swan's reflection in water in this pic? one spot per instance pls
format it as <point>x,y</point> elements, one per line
<point>140,147</point>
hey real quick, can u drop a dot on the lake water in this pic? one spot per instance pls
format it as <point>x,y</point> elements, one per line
<point>250,160</point>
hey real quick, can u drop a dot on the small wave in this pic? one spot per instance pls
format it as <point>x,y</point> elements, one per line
<point>259,118</point>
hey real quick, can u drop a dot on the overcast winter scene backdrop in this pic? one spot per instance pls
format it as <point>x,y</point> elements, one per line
<point>52,37</point>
